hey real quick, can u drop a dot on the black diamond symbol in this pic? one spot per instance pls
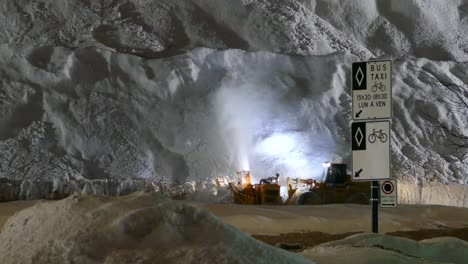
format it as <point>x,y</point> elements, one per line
<point>359,76</point>
<point>359,136</point>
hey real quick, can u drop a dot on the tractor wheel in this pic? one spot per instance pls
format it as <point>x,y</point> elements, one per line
<point>358,198</point>
<point>309,198</point>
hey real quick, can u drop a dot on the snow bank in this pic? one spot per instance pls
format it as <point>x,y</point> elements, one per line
<point>94,114</point>
<point>144,227</point>
<point>166,27</point>
<point>427,29</point>
<point>425,192</point>
<point>375,248</point>
<point>139,228</point>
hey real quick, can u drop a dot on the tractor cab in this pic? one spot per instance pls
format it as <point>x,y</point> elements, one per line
<point>335,176</point>
<point>336,187</point>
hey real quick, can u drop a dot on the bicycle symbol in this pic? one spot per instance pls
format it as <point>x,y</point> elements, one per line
<point>380,86</point>
<point>377,135</point>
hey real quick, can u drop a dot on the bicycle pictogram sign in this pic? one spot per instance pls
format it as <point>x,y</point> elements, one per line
<point>379,86</point>
<point>377,135</point>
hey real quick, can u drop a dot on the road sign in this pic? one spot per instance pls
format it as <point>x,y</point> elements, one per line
<point>370,150</point>
<point>388,193</point>
<point>372,90</point>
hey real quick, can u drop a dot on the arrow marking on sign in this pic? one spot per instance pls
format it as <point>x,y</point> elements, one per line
<point>356,174</point>
<point>358,113</point>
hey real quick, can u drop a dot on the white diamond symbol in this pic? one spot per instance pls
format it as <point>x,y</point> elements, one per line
<point>359,136</point>
<point>359,76</point>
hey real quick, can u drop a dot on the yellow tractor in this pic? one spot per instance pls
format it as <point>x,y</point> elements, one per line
<point>267,192</point>
<point>336,187</point>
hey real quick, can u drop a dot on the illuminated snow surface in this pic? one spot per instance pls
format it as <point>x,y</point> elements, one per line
<point>96,114</point>
<point>76,105</point>
<point>110,97</point>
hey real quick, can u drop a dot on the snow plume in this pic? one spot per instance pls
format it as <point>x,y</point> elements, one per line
<point>239,112</point>
<point>263,132</point>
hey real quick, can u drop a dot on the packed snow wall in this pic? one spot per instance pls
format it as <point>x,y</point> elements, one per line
<point>99,115</point>
<point>160,28</point>
<point>107,97</point>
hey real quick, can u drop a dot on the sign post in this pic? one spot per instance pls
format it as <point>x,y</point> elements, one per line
<point>370,135</point>
<point>375,206</point>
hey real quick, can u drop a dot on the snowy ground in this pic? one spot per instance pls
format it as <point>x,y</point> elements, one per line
<point>144,227</point>
<point>336,218</point>
<point>372,248</point>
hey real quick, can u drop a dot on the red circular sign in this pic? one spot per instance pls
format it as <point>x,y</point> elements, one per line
<point>387,187</point>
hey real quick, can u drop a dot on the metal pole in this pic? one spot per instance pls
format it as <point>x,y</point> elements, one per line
<point>375,206</point>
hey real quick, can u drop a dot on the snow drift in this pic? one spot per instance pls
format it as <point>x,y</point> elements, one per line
<point>375,248</point>
<point>148,228</point>
<point>139,228</point>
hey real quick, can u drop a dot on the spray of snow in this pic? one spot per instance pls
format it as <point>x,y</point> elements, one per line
<point>257,125</point>
<point>236,113</point>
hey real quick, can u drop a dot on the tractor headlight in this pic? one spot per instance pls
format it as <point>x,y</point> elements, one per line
<point>326,164</point>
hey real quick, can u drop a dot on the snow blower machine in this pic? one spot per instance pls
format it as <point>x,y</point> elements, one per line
<point>335,187</point>
<point>267,192</point>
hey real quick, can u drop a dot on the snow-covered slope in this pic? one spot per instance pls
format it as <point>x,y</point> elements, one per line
<point>120,91</point>
<point>97,114</point>
<point>160,28</point>
<point>400,28</point>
